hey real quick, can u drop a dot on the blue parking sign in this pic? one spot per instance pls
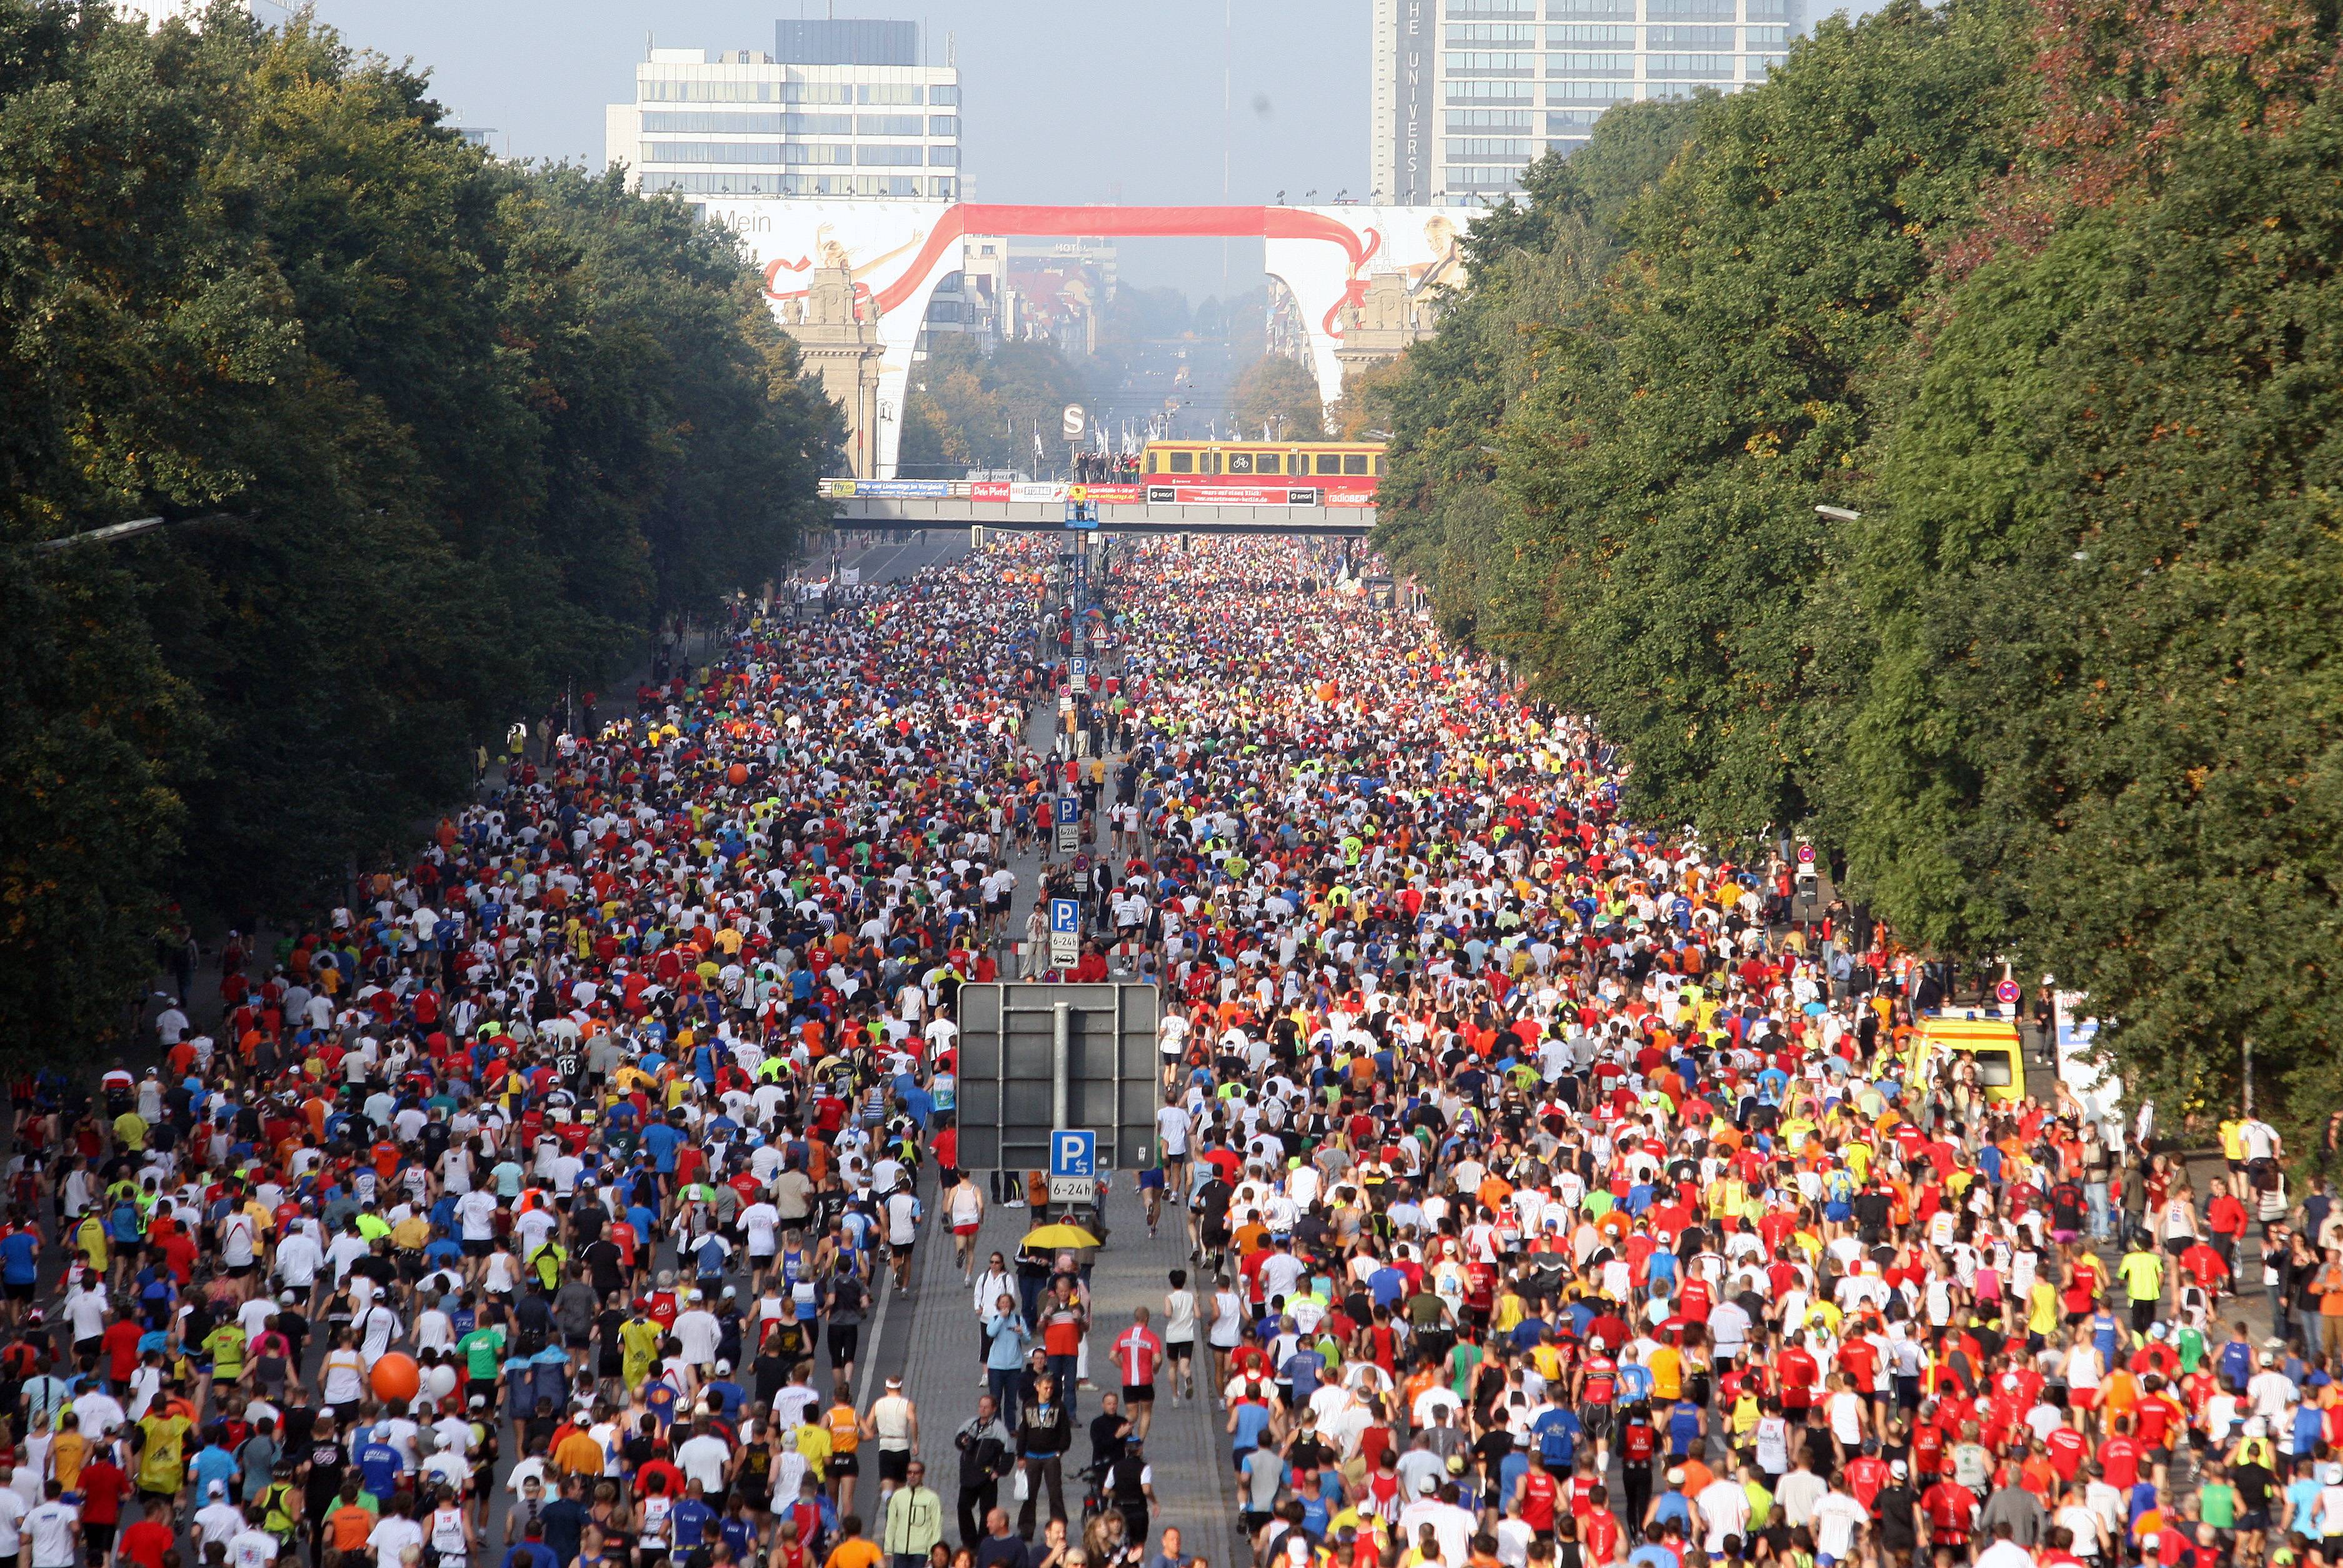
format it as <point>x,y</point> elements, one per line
<point>1065,916</point>
<point>1073,1152</point>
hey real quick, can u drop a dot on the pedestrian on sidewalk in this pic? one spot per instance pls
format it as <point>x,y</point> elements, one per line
<point>991,1286</point>
<point>1065,1325</point>
<point>986,1453</point>
<point>915,1519</point>
<point>1006,1339</point>
<point>1045,1429</point>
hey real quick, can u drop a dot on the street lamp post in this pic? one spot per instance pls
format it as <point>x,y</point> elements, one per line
<point>115,532</point>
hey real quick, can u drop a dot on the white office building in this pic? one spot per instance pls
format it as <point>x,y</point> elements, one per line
<point>839,108</point>
<point>1466,92</point>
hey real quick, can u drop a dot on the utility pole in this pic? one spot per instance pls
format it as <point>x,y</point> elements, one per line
<point>1228,68</point>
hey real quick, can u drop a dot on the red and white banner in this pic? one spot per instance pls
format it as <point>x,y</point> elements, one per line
<point>1234,495</point>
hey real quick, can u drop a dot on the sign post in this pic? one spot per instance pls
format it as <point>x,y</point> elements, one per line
<point>1069,816</point>
<point>1065,924</point>
<point>1074,1165</point>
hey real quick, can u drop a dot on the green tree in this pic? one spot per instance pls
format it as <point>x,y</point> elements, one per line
<point>458,430</point>
<point>1670,575</point>
<point>1529,264</point>
<point>971,409</point>
<point>1278,395</point>
<point>2106,561</point>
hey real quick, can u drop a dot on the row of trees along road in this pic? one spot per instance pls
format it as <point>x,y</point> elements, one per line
<point>2047,294</point>
<point>467,429</point>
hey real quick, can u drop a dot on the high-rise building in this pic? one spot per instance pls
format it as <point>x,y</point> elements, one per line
<point>1466,92</point>
<point>840,108</point>
<point>155,13</point>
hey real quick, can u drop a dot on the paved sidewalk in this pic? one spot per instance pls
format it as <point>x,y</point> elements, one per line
<point>901,560</point>
<point>942,1370</point>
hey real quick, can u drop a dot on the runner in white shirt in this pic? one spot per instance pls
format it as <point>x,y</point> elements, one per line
<point>52,1532</point>
<point>253,1547</point>
<point>964,1212</point>
<point>902,1230</point>
<point>377,1328</point>
<point>1173,1125</point>
<point>760,1223</point>
<point>12,1516</point>
<point>1724,1505</point>
<point>1180,1336</point>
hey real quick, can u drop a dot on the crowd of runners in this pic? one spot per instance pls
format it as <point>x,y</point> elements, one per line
<point>1551,1197</point>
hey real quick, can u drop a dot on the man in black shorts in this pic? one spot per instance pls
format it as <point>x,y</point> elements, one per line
<point>847,1302</point>
<point>1138,1353</point>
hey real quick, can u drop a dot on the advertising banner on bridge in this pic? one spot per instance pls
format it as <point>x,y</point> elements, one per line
<point>885,489</point>
<point>1112,493</point>
<point>1234,495</point>
<point>988,490</point>
<point>1036,490</point>
<point>1348,499</point>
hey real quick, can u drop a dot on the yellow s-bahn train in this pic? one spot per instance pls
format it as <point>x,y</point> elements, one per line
<point>1338,467</point>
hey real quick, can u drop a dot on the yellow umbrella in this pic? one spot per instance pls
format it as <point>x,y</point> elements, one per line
<point>1060,1234</point>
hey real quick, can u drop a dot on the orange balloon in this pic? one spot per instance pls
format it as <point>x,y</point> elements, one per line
<point>737,773</point>
<point>396,1376</point>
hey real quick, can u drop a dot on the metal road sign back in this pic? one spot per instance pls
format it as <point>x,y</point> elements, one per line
<point>1028,1071</point>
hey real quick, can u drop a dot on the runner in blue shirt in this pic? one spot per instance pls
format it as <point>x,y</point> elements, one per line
<point>20,1267</point>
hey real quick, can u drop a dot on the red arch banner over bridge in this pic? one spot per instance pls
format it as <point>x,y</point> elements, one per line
<point>896,252</point>
<point>966,218</point>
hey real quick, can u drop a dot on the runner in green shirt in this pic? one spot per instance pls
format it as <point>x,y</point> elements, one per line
<point>484,1352</point>
<point>225,1346</point>
<point>2142,1272</point>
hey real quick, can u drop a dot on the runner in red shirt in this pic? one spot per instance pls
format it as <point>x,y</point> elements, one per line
<point>1137,1352</point>
<point>1952,1512</point>
<point>2120,1454</point>
<point>1537,1493</point>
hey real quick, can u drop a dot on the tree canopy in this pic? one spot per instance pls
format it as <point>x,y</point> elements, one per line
<point>1279,395</point>
<point>450,432</point>
<point>971,409</point>
<point>2046,296</point>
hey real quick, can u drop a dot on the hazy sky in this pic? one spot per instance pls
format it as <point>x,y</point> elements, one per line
<point>1062,100</point>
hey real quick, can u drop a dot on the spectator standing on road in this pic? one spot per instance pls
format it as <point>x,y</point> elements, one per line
<point>915,1519</point>
<point>987,1450</point>
<point>1045,1430</point>
<point>1065,1323</point>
